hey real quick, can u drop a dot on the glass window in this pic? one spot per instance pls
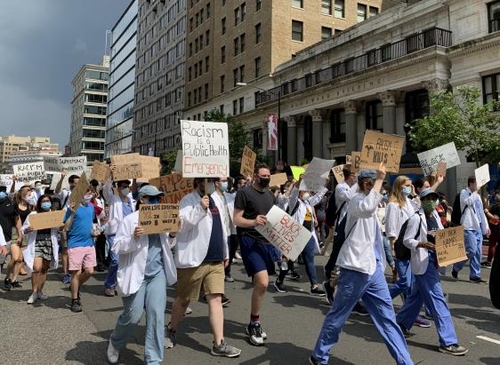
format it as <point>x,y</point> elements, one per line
<point>297,30</point>
<point>339,9</point>
<point>93,98</point>
<point>96,75</point>
<point>257,67</point>
<point>236,16</point>
<point>374,115</point>
<point>94,122</point>
<point>235,107</point>
<point>223,25</point>
<point>235,77</point>
<point>236,44</point>
<point>373,11</point>
<point>243,8</point>
<point>494,16</point>
<point>491,85</point>
<point>298,3</point>
<point>242,105</point>
<point>258,33</point>
<point>223,54</point>
<point>242,42</point>
<point>242,73</point>
<point>337,126</point>
<point>222,82</point>
<point>326,7</point>
<point>93,133</point>
<point>361,14</point>
<point>258,5</point>
<point>326,32</point>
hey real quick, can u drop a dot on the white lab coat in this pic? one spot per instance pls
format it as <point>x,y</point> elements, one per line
<point>358,251</point>
<point>229,202</point>
<point>29,252</point>
<point>395,216</point>
<point>196,227</point>
<point>115,208</point>
<point>133,254</point>
<point>473,219</point>
<point>343,194</point>
<point>419,256</point>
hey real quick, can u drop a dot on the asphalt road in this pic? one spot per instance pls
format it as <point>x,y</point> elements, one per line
<point>48,333</point>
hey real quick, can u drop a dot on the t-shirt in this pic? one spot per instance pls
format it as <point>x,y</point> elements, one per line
<point>23,213</point>
<point>253,203</point>
<point>432,225</point>
<point>215,251</point>
<point>308,220</point>
<point>154,262</point>
<point>80,233</point>
<point>8,214</point>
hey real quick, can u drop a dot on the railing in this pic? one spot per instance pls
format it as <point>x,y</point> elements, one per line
<point>391,51</point>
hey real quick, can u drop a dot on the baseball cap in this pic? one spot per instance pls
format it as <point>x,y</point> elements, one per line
<point>428,191</point>
<point>367,174</point>
<point>150,190</point>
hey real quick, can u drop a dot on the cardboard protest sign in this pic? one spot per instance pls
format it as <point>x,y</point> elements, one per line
<point>205,149</point>
<point>174,186</point>
<point>381,147</point>
<point>247,162</point>
<point>6,180</point>
<point>128,158</point>
<point>150,168</point>
<point>337,172</point>
<point>450,246</point>
<point>28,172</point>
<point>75,165</point>
<point>278,179</point>
<point>284,232</point>
<point>355,161</point>
<point>128,171</point>
<point>100,171</point>
<point>159,218</point>
<point>441,168</point>
<point>47,220</point>
<point>482,175</point>
<point>430,159</point>
<point>348,159</point>
<point>79,190</point>
<point>314,177</point>
<point>178,162</point>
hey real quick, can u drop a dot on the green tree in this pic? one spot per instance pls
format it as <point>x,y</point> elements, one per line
<point>168,162</point>
<point>459,117</point>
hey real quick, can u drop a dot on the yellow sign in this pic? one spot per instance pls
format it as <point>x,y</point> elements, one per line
<point>450,246</point>
<point>381,147</point>
<point>46,220</point>
<point>159,218</point>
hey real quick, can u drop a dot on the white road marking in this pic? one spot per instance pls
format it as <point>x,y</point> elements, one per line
<point>489,339</point>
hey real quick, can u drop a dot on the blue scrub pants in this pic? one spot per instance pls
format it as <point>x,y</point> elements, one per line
<point>151,296</point>
<point>474,249</point>
<point>402,285</point>
<point>427,289</point>
<point>308,255</point>
<point>110,281</point>
<point>353,286</point>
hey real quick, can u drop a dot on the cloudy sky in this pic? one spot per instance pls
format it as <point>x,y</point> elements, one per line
<point>43,44</point>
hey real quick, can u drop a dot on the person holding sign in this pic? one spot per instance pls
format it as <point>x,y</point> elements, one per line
<point>426,285</point>
<point>42,251</point>
<point>362,263</point>
<point>146,266</point>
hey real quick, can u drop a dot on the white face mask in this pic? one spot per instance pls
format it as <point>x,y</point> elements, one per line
<point>306,196</point>
<point>209,188</point>
<point>87,198</point>
<point>125,192</point>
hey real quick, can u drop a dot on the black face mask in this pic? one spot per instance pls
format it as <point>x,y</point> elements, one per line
<point>264,183</point>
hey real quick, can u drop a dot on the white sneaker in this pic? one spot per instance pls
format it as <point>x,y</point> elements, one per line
<point>112,353</point>
<point>42,296</point>
<point>32,298</point>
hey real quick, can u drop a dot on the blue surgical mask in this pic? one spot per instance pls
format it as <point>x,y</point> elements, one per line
<point>46,206</point>
<point>223,186</point>
<point>406,190</point>
<point>3,195</point>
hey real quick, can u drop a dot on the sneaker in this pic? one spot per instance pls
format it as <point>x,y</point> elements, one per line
<point>313,361</point>
<point>225,350</point>
<point>229,279</point>
<point>112,353</point>
<point>16,284</point>
<point>476,280</point>
<point>279,287</point>
<point>66,279</point>
<point>225,300</point>
<point>422,322</point>
<point>188,311</point>
<point>455,350</point>
<point>486,264</point>
<point>170,341</point>
<point>42,296</point>
<point>360,310</point>
<point>329,291</point>
<point>76,306</point>
<point>294,275</point>
<point>237,255</point>
<point>109,292</point>
<point>406,332</point>
<point>317,291</point>
<point>454,274</point>
<point>7,284</point>
<point>254,332</point>
<point>33,297</point>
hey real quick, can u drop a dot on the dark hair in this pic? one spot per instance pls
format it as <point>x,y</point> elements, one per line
<point>94,183</point>
<point>72,178</point>
<point>122,182</point>
<point>471,180</point>
<point>260,166</point>
<point>39,202</point>
<point>346,171</point>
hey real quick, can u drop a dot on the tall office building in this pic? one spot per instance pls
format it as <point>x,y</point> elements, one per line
<point>89,104</point>
<point>119,124</point>
<point>160,65</point>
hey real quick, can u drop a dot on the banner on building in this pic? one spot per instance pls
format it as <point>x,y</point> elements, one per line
<point>272,132</point>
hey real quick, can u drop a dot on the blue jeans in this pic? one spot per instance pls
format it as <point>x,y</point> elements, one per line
<point>151,296</point>
<point>352,286</point>
<point>427,289</point>
<point>403,284</point>
<point>474,249</point>
<point>110,281</point>
<point>308,255</point>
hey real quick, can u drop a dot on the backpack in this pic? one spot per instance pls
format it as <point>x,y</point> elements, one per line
<point>457,213</point>
<point>403,252</point>
<point>339,238</point>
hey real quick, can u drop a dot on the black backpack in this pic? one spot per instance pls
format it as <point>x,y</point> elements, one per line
<point>457,213</point>
<point>403,252</point>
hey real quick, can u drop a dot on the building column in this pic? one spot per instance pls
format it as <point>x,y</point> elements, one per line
<point>351,129</point>
<point>292,140</point>
<point>388,99</point>
<point>317,133</point>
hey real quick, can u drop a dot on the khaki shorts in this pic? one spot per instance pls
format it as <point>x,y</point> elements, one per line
<point>190,281</point>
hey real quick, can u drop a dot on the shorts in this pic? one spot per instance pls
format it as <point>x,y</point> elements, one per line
<point>258,256</point>
<point>190,280</point>
<point>81,258</point>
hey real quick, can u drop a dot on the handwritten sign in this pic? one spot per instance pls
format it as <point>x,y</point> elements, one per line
<point>482,175</point>
<point>247,161</point>
<point>430,159</point>
<point>174,186</point>
<point>278,179</point>
<point>128,171</point>
<point>355,161</point>
<point>79,190</point>
<point>47,220</point>
<point>348,159</point>
<point>450,246</point>
<point>314,178</point>
<point>284,232</point>
<point>100,171</point>
<point>159,218</point>
<point>441,168</point>
<point>6,180</point>
<point>337,172</point>
<point>72,165</point>
<point>128,158</point>
<point>150,167</point>
<point>381,147</point>
<point>205,149</point>
<point>28,172</point>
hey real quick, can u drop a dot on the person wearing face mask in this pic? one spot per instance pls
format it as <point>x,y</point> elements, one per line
<point>201,255</point>
<point>42,251</point>
<point>78,223</point>
<point>426,287</point>
<point>120,206</point>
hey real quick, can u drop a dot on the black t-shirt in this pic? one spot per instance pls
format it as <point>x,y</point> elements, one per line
<point>432,225</point>
<point>23,213</point>
<point>215,251</point>
<point>253,203</point>
<point>8,214</point>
